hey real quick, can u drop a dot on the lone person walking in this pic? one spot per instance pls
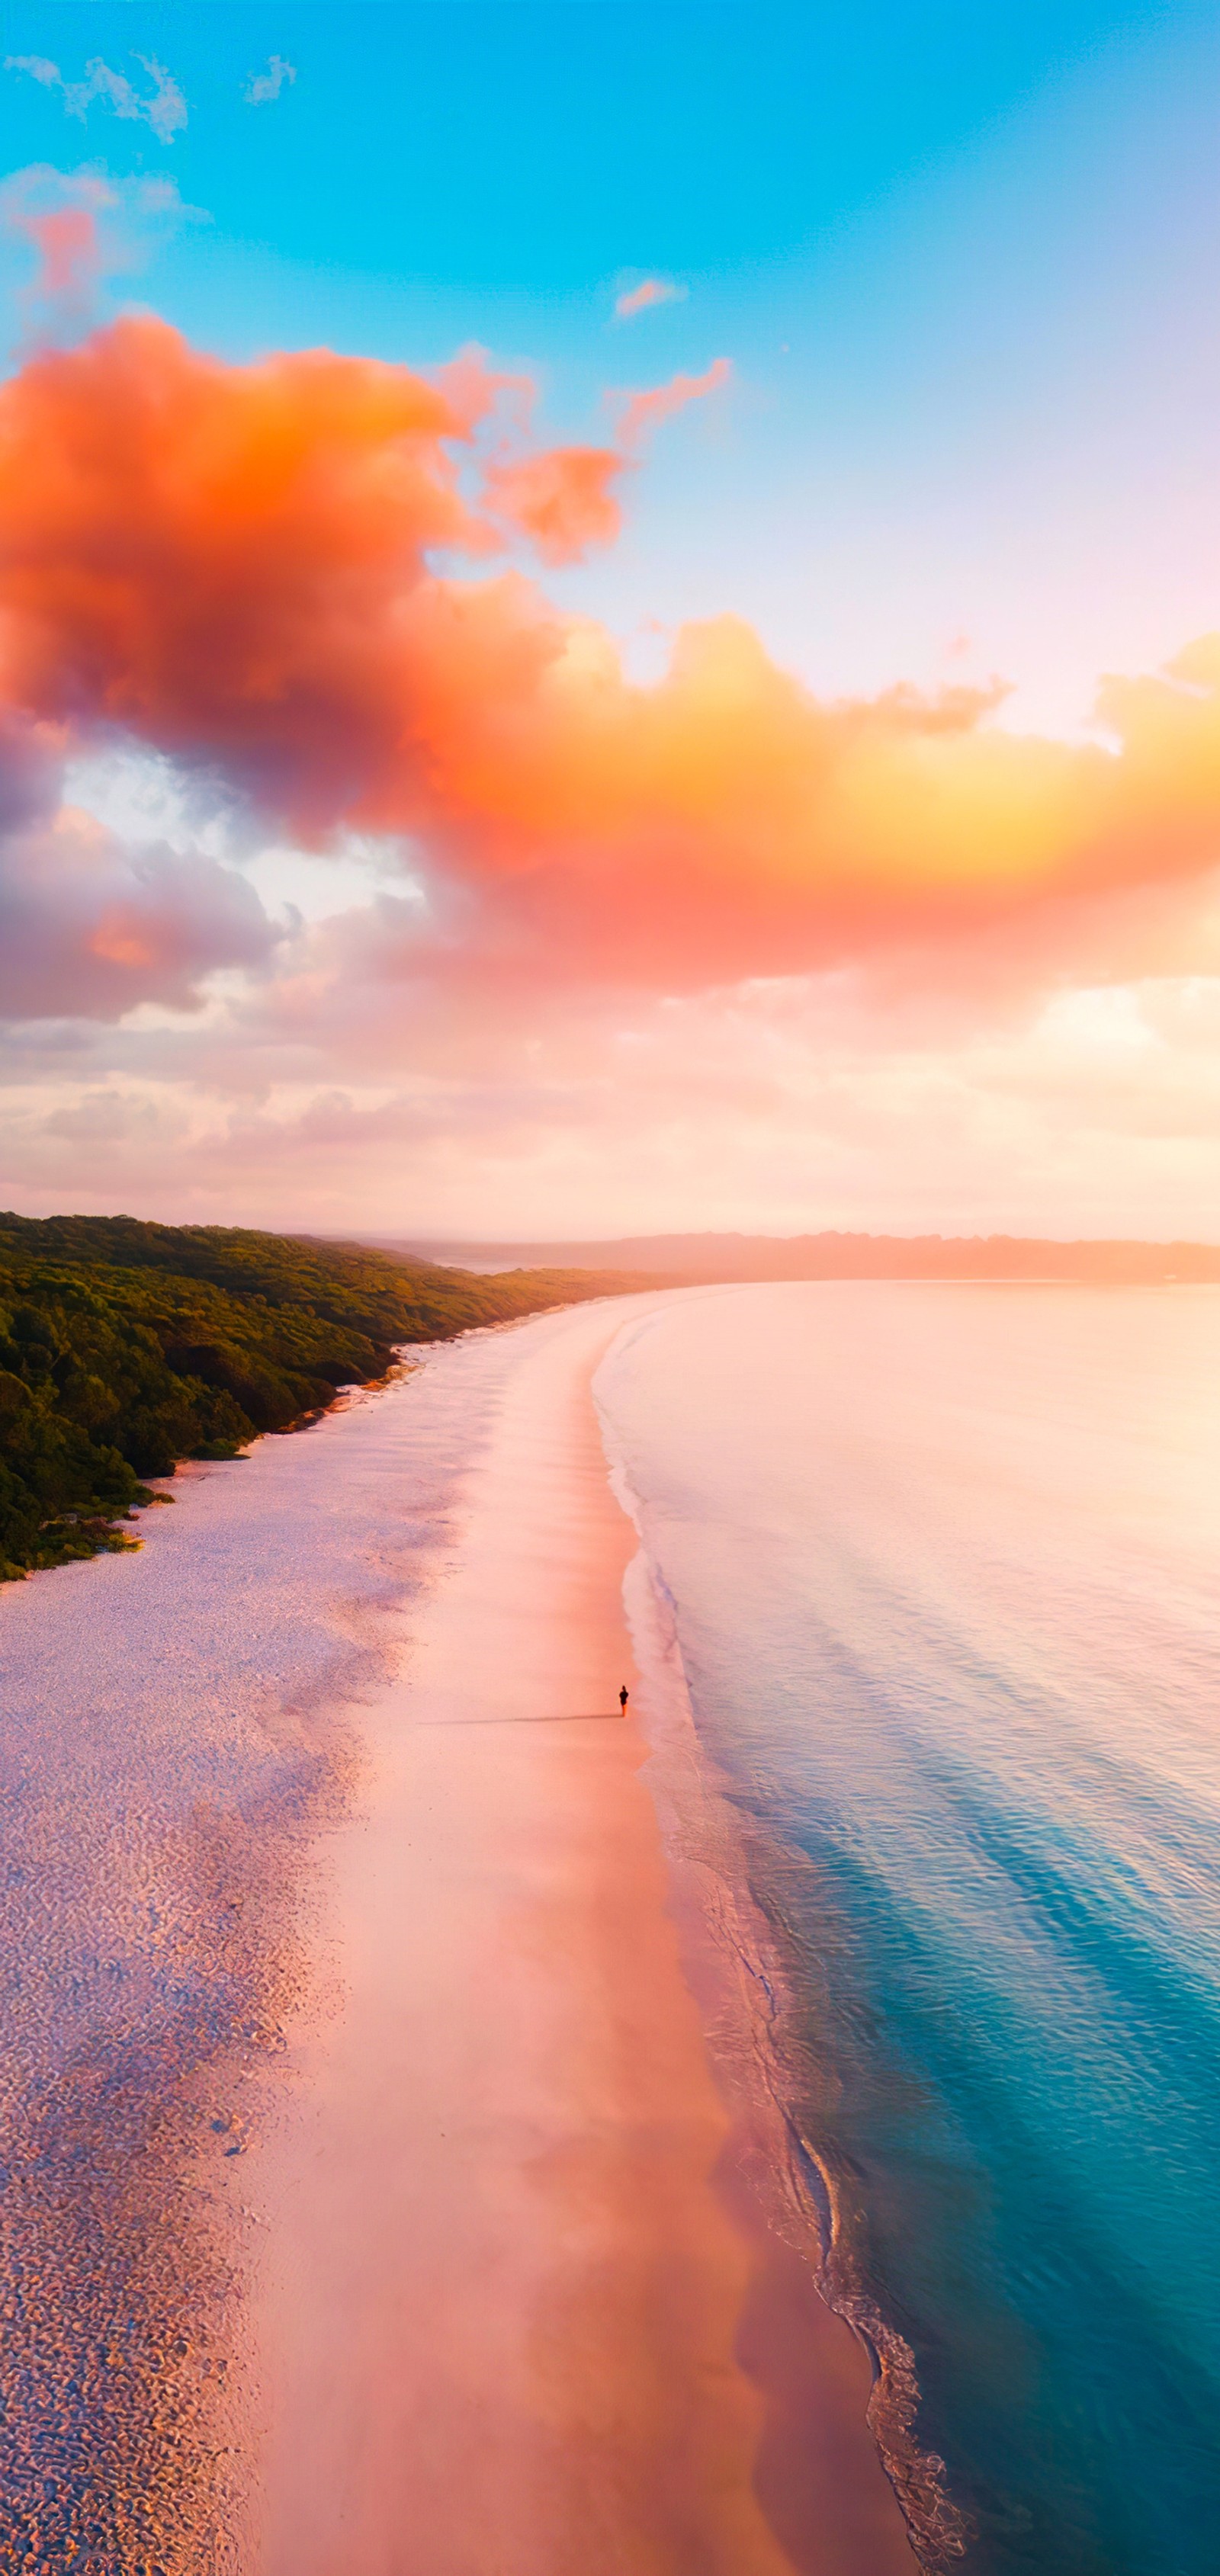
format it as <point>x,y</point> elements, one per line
<point>623,1697</point>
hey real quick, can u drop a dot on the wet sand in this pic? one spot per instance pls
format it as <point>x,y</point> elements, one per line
<point>513,2315</point>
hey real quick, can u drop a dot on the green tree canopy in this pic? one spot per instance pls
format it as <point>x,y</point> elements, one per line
<point>125,1347</point>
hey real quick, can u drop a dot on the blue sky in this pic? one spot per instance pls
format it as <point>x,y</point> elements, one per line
<point>539,148</point>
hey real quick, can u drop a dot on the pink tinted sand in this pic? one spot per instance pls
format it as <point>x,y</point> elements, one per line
<point>508,2321</point>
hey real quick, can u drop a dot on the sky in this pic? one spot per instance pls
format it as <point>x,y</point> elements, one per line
<point>609,616</point>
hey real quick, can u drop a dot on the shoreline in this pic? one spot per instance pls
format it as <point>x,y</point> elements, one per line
<point>515,2306</point>
<point>771,2177</point>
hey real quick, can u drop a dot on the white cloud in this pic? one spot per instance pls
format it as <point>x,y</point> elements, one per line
<point>264,86</point>
<point>164,110</point>
<point>38,67</point>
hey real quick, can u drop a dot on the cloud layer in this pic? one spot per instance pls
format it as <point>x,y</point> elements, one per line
<point>236,565</point>
<point>90,927</point>
<point>714,913</point>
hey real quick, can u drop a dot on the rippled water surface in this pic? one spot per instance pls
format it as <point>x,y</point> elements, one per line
<point>945,1564</point>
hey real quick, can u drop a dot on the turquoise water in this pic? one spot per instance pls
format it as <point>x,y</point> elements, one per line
<point>945,1567</point>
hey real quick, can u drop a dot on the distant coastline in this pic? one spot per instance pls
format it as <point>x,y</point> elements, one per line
<point>720,1258</point>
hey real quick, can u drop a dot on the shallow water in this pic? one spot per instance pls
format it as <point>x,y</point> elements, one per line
<point>945,1568</point>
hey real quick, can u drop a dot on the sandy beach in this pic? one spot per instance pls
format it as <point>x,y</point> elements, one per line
<point>511,2314</point>
<point>374,2204</point>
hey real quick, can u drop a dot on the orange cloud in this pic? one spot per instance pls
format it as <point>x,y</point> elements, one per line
<point>121,943</point>
<point>646,411</point>
<point>562,500</point>
<point>233,564</point>
<point>216,557</point>
<point>650,291</point>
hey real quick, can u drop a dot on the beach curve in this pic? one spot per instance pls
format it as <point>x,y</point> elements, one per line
<point>504,2316</point>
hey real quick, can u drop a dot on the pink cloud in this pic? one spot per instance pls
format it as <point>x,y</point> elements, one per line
<point>474,389</point>
<point>652,290</point>
<point>646,411</point>
<point>83,229</point>
<point>59,218</point>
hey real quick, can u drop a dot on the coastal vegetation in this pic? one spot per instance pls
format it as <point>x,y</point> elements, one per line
<point>125,1347</point>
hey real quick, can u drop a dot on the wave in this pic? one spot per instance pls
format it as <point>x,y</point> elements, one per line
<point>748,1993</point>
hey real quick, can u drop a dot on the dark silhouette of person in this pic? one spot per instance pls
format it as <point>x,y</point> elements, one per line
<point>623,1697</point>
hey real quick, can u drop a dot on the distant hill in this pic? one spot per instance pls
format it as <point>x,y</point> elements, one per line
<point>125,1347</point>
<point>727,1257</point>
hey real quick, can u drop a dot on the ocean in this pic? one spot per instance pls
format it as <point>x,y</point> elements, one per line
<point>943,1567</point>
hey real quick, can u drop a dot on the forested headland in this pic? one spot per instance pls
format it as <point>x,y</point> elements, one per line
<point>125,1347</point>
